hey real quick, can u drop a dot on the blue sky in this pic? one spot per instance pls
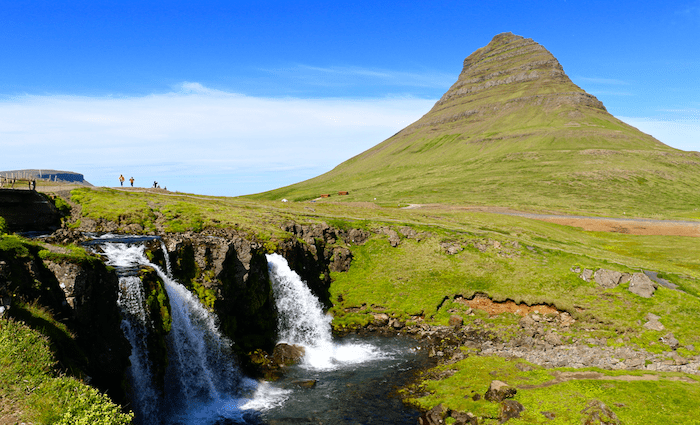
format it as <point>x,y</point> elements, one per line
<point>230,98</point>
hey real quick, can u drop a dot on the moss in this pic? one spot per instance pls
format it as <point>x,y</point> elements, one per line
<point>159,312</point>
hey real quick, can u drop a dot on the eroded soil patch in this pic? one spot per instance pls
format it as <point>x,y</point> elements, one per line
<point>483,302</point>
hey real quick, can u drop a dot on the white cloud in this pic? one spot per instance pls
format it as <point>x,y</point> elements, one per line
<point>680,133</point>
<point>606,81</point>
<point>348,75</point>
<point>196,131</point>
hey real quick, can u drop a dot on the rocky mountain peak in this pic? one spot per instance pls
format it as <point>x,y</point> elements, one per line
<point>514,67</point>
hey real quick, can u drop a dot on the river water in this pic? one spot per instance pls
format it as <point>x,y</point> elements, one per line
<point>354,378</point>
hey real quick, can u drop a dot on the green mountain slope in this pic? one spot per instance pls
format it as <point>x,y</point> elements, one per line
<point>515,131</point>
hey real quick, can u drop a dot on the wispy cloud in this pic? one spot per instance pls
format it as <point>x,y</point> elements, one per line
<point>339,75</point>
<point>196,131</point>
<point>606,81</point>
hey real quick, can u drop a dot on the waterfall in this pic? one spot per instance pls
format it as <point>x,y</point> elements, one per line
<point>202,382</point>
<point>301,321</point>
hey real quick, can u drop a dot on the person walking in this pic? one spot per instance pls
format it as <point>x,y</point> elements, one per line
<point>121,179</point>
<point>132,181</point>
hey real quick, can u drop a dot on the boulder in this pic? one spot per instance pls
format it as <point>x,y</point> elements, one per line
<point>597,413</point>
<point>670,340</point>
<point>381,319</point>
<point>641,285</point>
<point>434,416</point>
<point>499,391</point>
<point>607,278</point>
<point>305,383</point>
<point>587,275</point>
<point>653,323</point>
<point>461,418</point>
<point>509,409</point>
<point>287,354</point>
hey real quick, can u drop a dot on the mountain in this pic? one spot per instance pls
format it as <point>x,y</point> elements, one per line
<point>51,175</point>
<point>515,131</point>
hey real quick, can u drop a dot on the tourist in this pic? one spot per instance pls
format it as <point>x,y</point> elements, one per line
<point>121,179</point>
<point>132,181</point>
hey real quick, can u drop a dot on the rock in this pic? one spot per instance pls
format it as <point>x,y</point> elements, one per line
<point>357,236</point>
<point>527,322</point>
<point>380,319</point>
<point>625,278</point>
<point>451,248</point>
<point>305,383</point>
<point>549,415</point>
<point>670,340</point>
<point>434,416</point>
<point>575,269</point>
<point>499,391</point>
<point>341,259</point>
<point>408,232</point>
<point>607,278</point>
<point>287,354</point>
<point>641,285</point>
<point>394,238</point>
<point>461,418</point>
<point>509,409</point>
<point>587,275</point>
<point>653,323</point>
<point>552,338</point>
<point>597,413</point>
<point>456,320</point>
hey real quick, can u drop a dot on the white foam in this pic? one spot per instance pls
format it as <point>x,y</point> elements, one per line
<point>266,397</point>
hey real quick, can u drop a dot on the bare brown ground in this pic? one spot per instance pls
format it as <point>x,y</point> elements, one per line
<point>594,224</point>
<point>493,308</point>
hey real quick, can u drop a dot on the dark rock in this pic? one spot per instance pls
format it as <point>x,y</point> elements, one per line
<point>434,416</point>
<point>509,409</point>
<point>597,413</point>
<point>341,259</point>
<point>287,354</point>
<point>305,383</point>
<point>499,391</point>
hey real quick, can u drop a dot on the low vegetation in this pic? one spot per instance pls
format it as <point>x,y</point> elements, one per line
<point>34,389</point>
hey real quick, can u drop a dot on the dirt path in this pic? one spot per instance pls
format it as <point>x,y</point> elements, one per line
<point>560,377</point>
<point>633,226</point>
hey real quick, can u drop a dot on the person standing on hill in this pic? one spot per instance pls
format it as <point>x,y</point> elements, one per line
<point>132,181</point>
<point>121,179</point>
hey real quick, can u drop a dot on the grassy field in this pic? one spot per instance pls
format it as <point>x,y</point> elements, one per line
<point>505,257</point>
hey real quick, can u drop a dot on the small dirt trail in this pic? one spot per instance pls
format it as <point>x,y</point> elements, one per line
<point>632,226</point>
<point>560,377</point>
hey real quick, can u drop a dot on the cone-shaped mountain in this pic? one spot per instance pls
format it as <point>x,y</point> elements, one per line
<point>514,130</point>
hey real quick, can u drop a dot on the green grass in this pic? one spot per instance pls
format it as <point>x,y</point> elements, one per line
<point>634,402</point>
<point>33,389</point>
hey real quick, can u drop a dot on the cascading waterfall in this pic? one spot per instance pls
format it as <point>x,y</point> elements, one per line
<point>302,322</point>
<point>203,385</point>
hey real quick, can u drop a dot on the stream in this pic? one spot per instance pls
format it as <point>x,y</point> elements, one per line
<point>348,380</point>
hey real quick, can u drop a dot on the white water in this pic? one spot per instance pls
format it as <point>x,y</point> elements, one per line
<point>202,381</point>
<point>302,322</point>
